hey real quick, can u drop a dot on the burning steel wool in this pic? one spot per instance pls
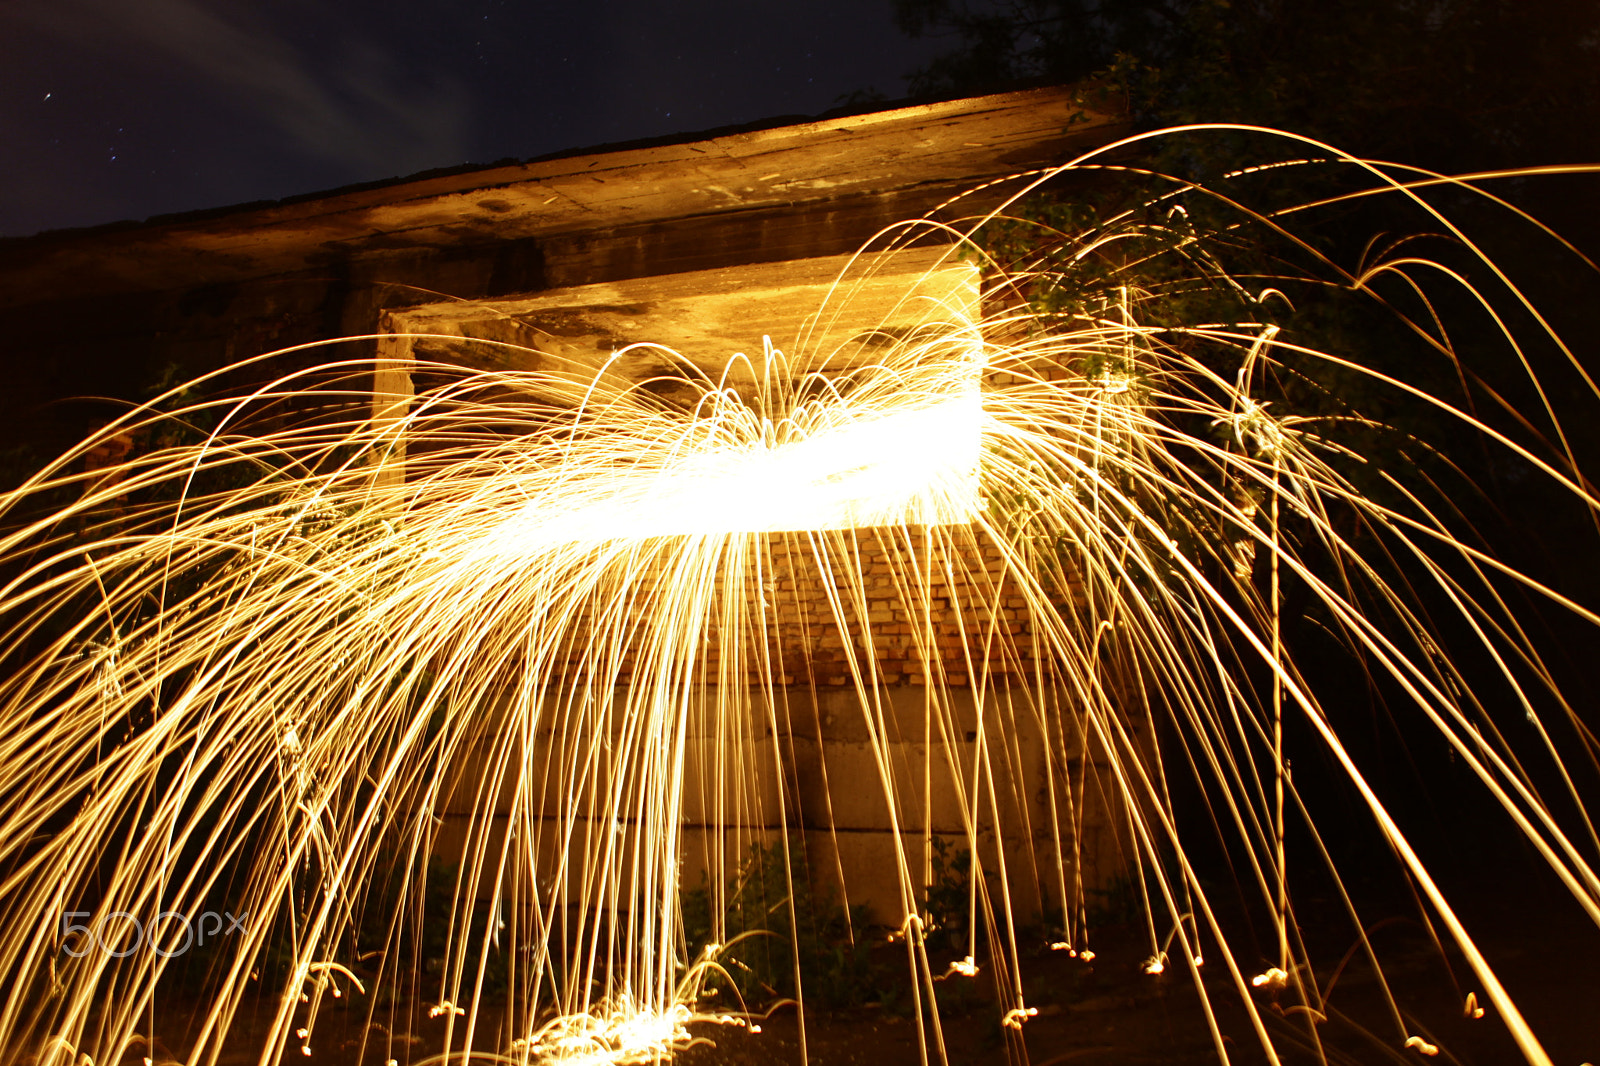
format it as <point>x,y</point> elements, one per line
<point>285,653</point>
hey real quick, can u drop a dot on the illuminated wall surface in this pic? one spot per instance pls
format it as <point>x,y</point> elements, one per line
<point>921,611</point>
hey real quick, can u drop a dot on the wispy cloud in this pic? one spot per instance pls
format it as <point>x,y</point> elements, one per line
<point>354,105</point>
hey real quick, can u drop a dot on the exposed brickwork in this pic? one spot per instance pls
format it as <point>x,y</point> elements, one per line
<point>904,606</point>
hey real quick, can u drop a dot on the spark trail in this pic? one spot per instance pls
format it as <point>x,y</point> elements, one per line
<point>527,620</point>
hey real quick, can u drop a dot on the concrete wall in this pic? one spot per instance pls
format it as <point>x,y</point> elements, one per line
<point>861,783</point>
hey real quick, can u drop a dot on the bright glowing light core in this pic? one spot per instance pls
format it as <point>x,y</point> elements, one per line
<point>917,466</point>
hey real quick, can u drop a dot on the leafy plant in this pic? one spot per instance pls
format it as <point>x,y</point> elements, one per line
<point>775,923</point>
<point>946,903</point>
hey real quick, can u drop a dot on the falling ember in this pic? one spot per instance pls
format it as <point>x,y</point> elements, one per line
<point>1422,1046</point>
<point>1273,979</point>
<point>529,620</point>
<point>1014,1019</point>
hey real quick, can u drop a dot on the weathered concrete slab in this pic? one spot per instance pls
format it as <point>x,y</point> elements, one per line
<point>1046,822</point>
<point>839,310</point>
<point>958,141</point>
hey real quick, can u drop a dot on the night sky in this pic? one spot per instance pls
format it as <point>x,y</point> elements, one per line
<point>123,109</point>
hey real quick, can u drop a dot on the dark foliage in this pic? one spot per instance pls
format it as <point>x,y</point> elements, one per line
<point>779,927</point>
<point>1452,84</point>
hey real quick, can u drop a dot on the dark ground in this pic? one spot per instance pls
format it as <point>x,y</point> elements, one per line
<point>1109,1011</point>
